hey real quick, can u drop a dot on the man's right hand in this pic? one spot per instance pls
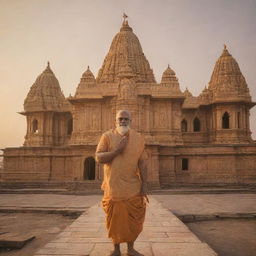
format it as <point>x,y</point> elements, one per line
<point>106,157</point>
<point>122,144</point>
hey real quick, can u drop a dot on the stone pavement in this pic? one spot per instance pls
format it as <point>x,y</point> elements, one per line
<point>46,202</point>
<point>163,235</point>
<point>209,204</point>
<point>179,204</point>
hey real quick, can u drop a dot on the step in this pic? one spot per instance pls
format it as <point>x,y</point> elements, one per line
<point>14,240</point>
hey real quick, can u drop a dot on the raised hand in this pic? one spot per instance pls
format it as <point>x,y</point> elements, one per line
<point>122,144</point>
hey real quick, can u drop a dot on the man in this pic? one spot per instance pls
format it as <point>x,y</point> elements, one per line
<point>125,176</point>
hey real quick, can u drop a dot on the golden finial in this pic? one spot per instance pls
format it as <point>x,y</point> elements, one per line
<point>125,16</point>
<point>48,64</point>
<point>88,67</point>
<point>225,47</point>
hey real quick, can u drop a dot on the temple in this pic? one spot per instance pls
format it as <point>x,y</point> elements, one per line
<point>189,140</point>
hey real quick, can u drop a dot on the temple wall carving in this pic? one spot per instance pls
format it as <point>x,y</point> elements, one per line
<point>161,116</point>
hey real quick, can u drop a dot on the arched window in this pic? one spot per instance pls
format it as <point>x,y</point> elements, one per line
<point>70,126</point>
<point>184,125</point>
<point>225,121</point>
<point>89,168</point>
<point>184,164</point>
<point>196,125</point>
<point>35,126</point>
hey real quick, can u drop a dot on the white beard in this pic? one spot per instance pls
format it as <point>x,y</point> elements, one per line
<point>122,129</point>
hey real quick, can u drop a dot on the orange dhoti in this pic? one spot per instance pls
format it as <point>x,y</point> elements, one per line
<point>124,218</point>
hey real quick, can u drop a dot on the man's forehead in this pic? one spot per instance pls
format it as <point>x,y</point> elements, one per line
<point>123,114</point>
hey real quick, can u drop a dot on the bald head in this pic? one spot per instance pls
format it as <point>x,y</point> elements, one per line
<point>125,113</point>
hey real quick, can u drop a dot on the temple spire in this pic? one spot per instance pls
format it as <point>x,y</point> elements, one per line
<point>125,17</point>
<point>48,68</point>
<point>125,54</point>
<point>227,79</point>
<point>45,94</point>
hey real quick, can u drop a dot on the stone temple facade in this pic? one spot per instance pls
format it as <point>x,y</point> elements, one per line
<point>189,140</point>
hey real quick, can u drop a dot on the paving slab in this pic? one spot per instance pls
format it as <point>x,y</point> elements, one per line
<point>163,234</point>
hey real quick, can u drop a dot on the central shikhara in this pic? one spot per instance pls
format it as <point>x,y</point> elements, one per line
<point>203,139</point>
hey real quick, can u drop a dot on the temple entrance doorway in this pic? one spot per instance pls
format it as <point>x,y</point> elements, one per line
<point>89,168</point>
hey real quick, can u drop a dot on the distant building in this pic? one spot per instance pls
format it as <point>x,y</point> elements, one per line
<point>189,140</point>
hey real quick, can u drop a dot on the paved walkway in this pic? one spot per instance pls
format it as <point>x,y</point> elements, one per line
<point>163,235</point>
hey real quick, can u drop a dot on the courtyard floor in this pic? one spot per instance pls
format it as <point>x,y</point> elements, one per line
<point>164,233</point>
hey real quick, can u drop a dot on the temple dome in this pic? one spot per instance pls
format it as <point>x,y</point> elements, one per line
<point>227,78</point>
<point>205,96</point>
<point>187,93</point>
<point>88,77</point>
<point>190,102</point>
<point>45,94</point>
<point>125,48</point>
<point>168,76</point>
<point>170,81</point>
<point>87,81</point>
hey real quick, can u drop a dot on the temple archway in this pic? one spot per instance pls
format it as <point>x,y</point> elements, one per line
<point>225,121</point>
<point>35,126</point>
<point>196,125</point>
<point>89,168</point>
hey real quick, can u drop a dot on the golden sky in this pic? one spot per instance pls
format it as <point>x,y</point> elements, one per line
<point>187,34</point>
